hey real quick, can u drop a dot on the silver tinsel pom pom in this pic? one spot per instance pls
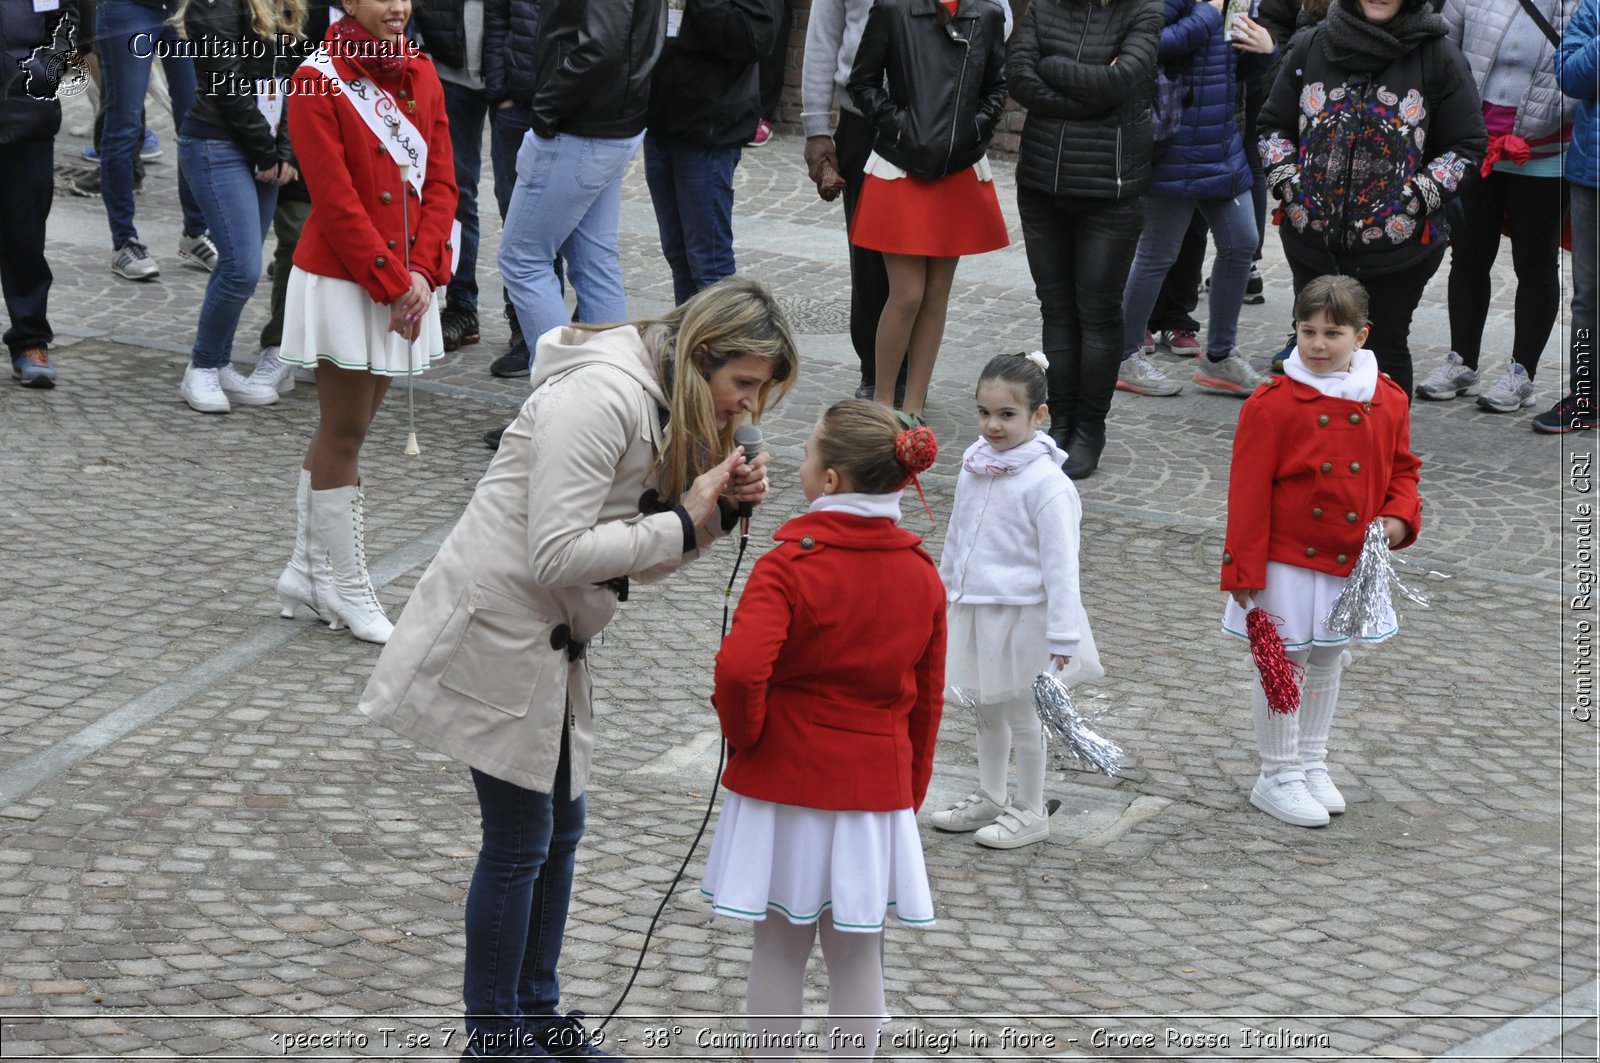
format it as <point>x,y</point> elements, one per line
<point>966,698</point>
<point>1369,587</point>
<point>1062,720</point>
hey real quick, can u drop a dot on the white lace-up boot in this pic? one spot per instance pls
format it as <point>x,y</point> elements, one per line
<point>346,597</point>
<point>298,583</point>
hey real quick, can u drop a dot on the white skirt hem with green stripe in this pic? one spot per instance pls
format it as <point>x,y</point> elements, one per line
<point>330,319</point>
<point>800,862</point>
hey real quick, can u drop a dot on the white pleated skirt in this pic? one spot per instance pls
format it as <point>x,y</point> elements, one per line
<point>1299,598</point>
<point>800,862</point>
<point>334,320</point>
<point>996,651</point>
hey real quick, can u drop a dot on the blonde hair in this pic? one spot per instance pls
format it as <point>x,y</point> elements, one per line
<point>733,318</point>
<point>858,439</point>
<point>268,18</point>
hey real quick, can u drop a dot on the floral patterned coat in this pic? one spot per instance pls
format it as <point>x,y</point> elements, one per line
<point>1363,164</point>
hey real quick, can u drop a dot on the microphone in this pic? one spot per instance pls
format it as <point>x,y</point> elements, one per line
<point>747,436</point>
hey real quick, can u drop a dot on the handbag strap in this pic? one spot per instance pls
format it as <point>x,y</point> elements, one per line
<point>1543,23</point>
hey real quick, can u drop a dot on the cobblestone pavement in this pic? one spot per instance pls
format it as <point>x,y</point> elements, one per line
<point>205,851</point>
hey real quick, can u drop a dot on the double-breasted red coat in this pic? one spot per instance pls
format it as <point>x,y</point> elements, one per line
<point>830,684</point>
<point>360,205</point>
<point>1310,472</point>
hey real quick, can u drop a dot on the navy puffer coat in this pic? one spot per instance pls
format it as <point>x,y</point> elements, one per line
<point>1206,159</point>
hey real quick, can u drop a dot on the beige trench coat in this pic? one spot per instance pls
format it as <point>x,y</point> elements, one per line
<point>476,668</point>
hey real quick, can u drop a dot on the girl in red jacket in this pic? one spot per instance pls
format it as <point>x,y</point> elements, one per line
<point>1317,456</point>
<point>829,690</point>
<point>367,123</point>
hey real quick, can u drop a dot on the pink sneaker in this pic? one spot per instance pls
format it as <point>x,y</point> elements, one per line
<point>1181,341</point>
<point>1149,344</point>
<point>763,134</point>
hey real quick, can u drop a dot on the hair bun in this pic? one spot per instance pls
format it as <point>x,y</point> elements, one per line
<point>916,448</point>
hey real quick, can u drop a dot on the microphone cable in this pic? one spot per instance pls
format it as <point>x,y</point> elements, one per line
<point>705,821</point>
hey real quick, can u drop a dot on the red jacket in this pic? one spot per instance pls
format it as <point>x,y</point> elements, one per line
<point>1310,473</point>
<point>831,683</point>
<point>358,198</point>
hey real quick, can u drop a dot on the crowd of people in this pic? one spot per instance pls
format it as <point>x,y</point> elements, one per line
<point>1385,131</point>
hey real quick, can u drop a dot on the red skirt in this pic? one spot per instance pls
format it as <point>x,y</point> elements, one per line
<point>952,216</point>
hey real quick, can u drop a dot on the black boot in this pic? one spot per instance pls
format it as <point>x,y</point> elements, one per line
<point>1083,452</point>
<point>1061,425</point>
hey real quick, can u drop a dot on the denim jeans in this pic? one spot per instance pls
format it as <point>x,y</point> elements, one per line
<point>126,36</point>
<point>1079,252</point>
<point>25,277</point>
<point>567,201</point>
<point>1233,226</point>
<point>507,128</point>
<point>692,191</point>
<point>465,108</point>
<point>238,210</point>
<point>517,904</point>
<point>1583,289</point>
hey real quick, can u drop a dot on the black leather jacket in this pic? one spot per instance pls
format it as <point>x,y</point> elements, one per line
<point>934,89</point>
<point>595,61</point>
<point>229,61</point>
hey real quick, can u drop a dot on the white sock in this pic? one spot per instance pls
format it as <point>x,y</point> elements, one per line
<point>994,749</point>
<point>1276,732</point>
<point>1027,737</point>
<point>776,987</point>
<point>1319,698</point>
<point>855,990</point>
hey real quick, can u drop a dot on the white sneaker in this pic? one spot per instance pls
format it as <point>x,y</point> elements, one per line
<point>1286,797</point>
<point>198,251</point>
<point>1320,785</point>
<point>132,262</point>
<point>272,372</point>
<point>1140,375</point>
<point>202,389</point>
<point>975,810</point>
<point>1451,379</point>
<point>1510,393</point>
<point>1231,376</point>
<point>246,390</point>
<point>1016,827</point>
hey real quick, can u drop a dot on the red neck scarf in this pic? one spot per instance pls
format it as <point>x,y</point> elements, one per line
<point>379,60</point>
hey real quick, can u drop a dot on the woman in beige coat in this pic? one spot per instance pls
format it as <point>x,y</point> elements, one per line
<point>596,482</point>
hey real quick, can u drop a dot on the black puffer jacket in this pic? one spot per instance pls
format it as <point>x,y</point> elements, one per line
<point>595,62</point>
<point>1088,127</point>
<point>230,59</point>
<point>35,48</point>
<point>443,24</point>
<point>933,88</point>
<point>705,90</point>
<point>511,49</point>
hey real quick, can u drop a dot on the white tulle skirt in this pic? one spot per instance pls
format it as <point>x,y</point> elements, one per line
<point>997,650</point>
<point>1298,598</point>
<point>335,320</point>
<point>800,862</point>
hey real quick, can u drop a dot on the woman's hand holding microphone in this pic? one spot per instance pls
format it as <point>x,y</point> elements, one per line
<point>732,480</point>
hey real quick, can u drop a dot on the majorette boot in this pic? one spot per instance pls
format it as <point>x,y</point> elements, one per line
<point>346,597</point>
<point>298,583</point>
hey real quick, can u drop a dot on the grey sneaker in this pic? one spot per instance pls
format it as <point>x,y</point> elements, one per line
<point>1141,376</point>
<point>1231,376</point>
<point>1451,379</point>
<point>1510,393</point>
<point>132,262</point>
<point>198,251</point>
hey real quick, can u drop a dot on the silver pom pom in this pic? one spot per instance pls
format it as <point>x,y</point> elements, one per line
<point>966,697</point>
<point>1062,720</point>
<point>1369,587</point>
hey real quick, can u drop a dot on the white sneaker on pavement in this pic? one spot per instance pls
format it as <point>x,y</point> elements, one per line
<point>246,390</point>
<point>132,262</point>
<point>975,810</point>
<point>1285,797</point>
<point>1451,379</point>
<point>1016,827</point>
<point>1320,785</point>
<point>271,371</point>
<point>1141,376</point>
<point>202,389</point>
<point>198,251</point>
<point>1231,376</point>
<point>1510,392</point>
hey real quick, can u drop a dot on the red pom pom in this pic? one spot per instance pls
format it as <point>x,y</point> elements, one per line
<point>916,448</point>
<point>1279,675</point>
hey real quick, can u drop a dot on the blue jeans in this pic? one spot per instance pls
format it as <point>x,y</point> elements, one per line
<point>507,128</point>
<point>517,905</point>
<point>1233,226</point>
<point>238,210</point>
<point>566,202</point>
<point>465,108</point>
<point>692,191</point>
<point>126,34</point>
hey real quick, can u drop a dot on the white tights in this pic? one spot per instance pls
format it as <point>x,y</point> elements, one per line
<point>774,995</point>
<point>1298,740</point>
<point>1003,725</point>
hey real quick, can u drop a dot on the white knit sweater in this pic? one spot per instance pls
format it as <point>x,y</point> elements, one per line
<point>1013,536</point>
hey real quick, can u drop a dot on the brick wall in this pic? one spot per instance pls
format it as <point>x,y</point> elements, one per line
<point>1005,138</point>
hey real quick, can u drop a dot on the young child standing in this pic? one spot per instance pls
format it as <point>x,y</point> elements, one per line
<point>368,126</point>
<point>829,688</point>
<point>1010,570</point>
<point>930,78</point>
<point>1316,458</point>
